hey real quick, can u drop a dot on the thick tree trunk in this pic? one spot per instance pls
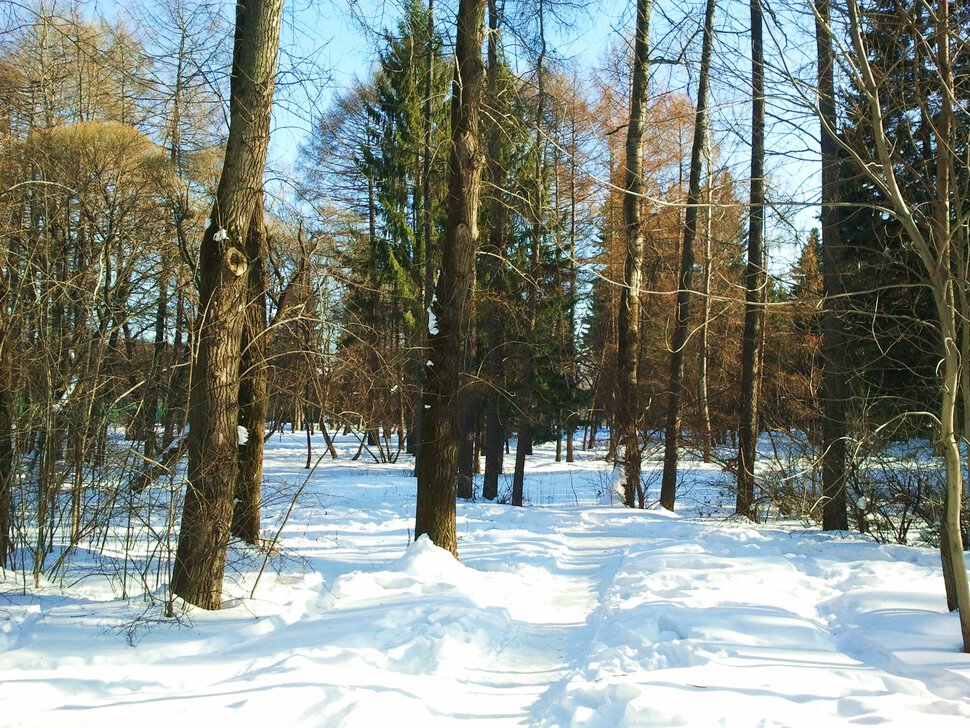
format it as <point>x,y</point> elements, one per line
<point>469,402</point>
<point>668,487</point>
<point>437,462</point>
<point>213,400</point>
<point>253,396</point>
<point>952,554</point>
<point>628,334</point>
<point>834,513</point>
<point>754,278</point>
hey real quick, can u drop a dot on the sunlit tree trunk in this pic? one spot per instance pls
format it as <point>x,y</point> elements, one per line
<point>668,487</point>
<point>437,461</point>
<point>253,395</point>
<point>523,402</point>
<point>493,368</point>
<point>213,399</point>
<point>703,402</point>
<point>834,514</point>
<point>754,277</point>
<point>628,339</point>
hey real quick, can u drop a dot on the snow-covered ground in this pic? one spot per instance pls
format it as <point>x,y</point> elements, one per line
<point>569,612</point>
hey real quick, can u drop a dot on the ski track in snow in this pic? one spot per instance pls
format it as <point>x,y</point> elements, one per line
<point>568,613</point>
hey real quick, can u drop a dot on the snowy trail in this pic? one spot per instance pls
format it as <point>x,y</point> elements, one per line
<point>568,614</point>
<point>594,566</point>
<point>682,643</point>
<point>525,632</point>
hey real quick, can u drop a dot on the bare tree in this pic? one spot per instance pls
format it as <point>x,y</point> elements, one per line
<point>933,216</point>
<point>668,488</point>
<point>213,405</point>
<point>628,343</point>
<point>494,333</point>
<point>253,394</point>
<point>834,514</point>
<point>755,279</point>
<point>524,399</point>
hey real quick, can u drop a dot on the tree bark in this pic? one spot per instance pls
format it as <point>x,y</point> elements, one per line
<point>6,447</point>
<point>944,292</point>
<point>754,278</point>
<point>628,334</point>
<point>424,240</point>
<point>468,403</point>
<point>668,487</point>
<point>834,513</point>
<point>253,395</point>
<point>213,400</point>
<point>703,398</point>
<point>436,468</point>
<point>494,333</point>
<point>523,442</point>
<point>570,423</point>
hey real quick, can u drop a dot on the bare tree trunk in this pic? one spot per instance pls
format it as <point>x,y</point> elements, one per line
<point>423,253</point>
<point>523,444</point>
<point>214,405</point>
<point>628,338</point>
<point>668,487</point>
<point>570,423</point>
<point>174,416</point>
<point>494,335</point>
<point>6,446</point>
<point>703,399</point>
<point>147,418</point>
<point>494,449</point>
<point>469,403</point>
<point>754,277</point>
<point>436,468</point>
<point>253,396</point>
<point>954,560</point>
<point>834,514</point>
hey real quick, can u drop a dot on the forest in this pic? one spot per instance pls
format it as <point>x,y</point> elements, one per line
<point>735,237</point>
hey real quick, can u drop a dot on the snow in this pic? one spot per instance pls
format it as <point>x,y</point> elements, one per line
<point>569,612</point>
<point>432,319</point>
<point>243,434</point>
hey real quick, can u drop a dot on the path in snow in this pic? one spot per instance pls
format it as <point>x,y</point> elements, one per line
<point>615,618</point>
<point>584,616</point>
